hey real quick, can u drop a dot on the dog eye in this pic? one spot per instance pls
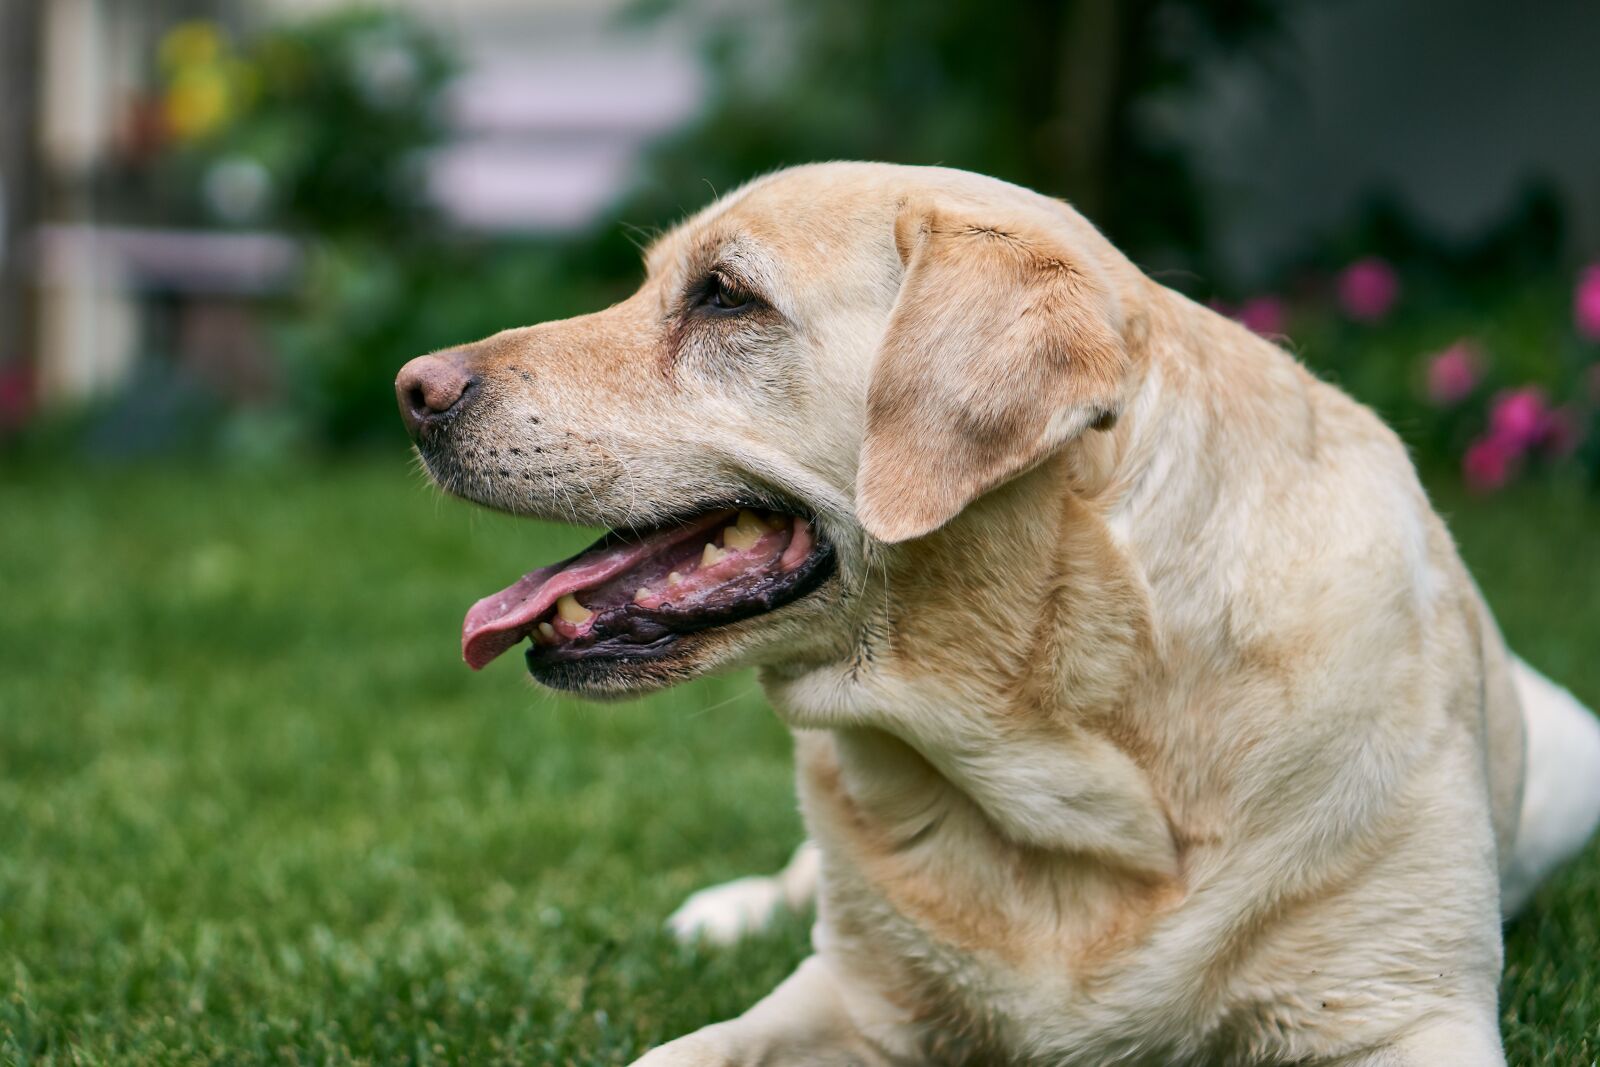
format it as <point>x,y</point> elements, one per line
<point>719,294</point>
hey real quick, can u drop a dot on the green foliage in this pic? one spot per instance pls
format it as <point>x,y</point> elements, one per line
<point>253,809</point>
<point>318,127</point>
<point>329,114</point>
<point>1518,330</point>
<point>1526,242</point>
<point>1060,96</point>
<point>1057,95</point>
<point>365,310</point>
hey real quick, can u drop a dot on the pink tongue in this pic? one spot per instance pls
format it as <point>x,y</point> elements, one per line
<point>501,620</point>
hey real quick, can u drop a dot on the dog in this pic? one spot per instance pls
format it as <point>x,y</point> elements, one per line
<point>1143,710</point>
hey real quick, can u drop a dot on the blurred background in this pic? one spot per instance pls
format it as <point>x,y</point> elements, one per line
<point>226,222</point>
<point>252,808</point>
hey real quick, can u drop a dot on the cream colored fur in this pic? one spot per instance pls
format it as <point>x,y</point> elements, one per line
<point>1152,717</point>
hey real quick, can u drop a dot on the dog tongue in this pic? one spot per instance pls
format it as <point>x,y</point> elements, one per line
<point>500,621</point>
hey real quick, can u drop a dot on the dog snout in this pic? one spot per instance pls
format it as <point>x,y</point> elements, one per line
<point>430,387</point>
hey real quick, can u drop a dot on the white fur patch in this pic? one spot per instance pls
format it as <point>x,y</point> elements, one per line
<point>726,913</point>
<point>1561,801</point>
<point>723,914</point>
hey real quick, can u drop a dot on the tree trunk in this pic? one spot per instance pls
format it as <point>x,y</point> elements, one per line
<point>1090,58</point>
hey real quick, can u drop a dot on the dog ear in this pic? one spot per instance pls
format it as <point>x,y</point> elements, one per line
<point>1001,348</point>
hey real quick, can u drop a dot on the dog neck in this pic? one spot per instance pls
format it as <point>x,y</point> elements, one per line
<point>1011,651</point>
<point>996,653</point>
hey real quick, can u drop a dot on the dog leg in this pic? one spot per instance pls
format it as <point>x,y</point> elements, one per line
<point>1561,801</point>
<point>723,914</point>
<point>802,1023</point>
<point>1438,1043</point>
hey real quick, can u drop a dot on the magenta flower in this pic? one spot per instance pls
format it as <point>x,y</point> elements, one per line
<point>1586,303</point>
<point>1489,464</point>
<point>1454,373</point>
<point>1368,289</point>
<point>1520,418</point>
<point>1266,315</point>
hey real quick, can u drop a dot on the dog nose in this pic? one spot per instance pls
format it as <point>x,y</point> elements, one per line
<point>429,387</point>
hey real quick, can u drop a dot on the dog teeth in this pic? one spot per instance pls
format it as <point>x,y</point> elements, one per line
<point>711,555</point>
<point>738,539</point>
<point>641,594</point>
<point>674,578</point>
<point>571,611</point>
<point>745,532</point>
<point>547,632</point>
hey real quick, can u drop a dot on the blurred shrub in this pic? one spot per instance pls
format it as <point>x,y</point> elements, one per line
<point>1061,96</point>
<point>366,310</point>
<point>1492,372</point>
<point>1483,355</point>
<point>314,125</point>
<point>318,127</point>
<point>1469,350</point>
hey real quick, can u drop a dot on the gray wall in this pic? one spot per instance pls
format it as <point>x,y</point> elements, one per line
<point>1452,106</point>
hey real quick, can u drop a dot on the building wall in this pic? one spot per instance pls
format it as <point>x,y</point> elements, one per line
<point>1452,107</point>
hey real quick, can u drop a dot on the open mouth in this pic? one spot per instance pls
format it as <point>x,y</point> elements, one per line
<point>634,593</point>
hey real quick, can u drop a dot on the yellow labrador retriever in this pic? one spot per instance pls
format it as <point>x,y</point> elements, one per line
<point>1144,711</point>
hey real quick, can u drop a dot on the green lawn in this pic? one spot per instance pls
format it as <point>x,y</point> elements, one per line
<point>254,809</point>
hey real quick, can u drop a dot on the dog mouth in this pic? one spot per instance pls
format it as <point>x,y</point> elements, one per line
<point>636,593</point>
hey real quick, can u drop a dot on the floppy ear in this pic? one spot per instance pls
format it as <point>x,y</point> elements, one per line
<point>1001,348</point>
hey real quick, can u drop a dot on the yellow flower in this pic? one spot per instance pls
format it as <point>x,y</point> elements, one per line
<point>197,102</point>
<point>190,44</point>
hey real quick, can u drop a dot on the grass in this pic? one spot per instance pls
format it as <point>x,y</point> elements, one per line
<point>254,809</point>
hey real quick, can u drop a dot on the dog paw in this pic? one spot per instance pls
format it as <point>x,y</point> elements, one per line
<point>700,1049</point>
<point>723,914</point>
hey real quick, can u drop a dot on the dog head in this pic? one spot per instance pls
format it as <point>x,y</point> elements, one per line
<point>826,363</point>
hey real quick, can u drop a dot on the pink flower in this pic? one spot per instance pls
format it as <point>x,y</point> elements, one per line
<point>1586,303</point>
<point>1266,315</point>
<point>1489,464</point>
<point>1368,289</point>
<point>1454,373</point>
<point>1520,418</point>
